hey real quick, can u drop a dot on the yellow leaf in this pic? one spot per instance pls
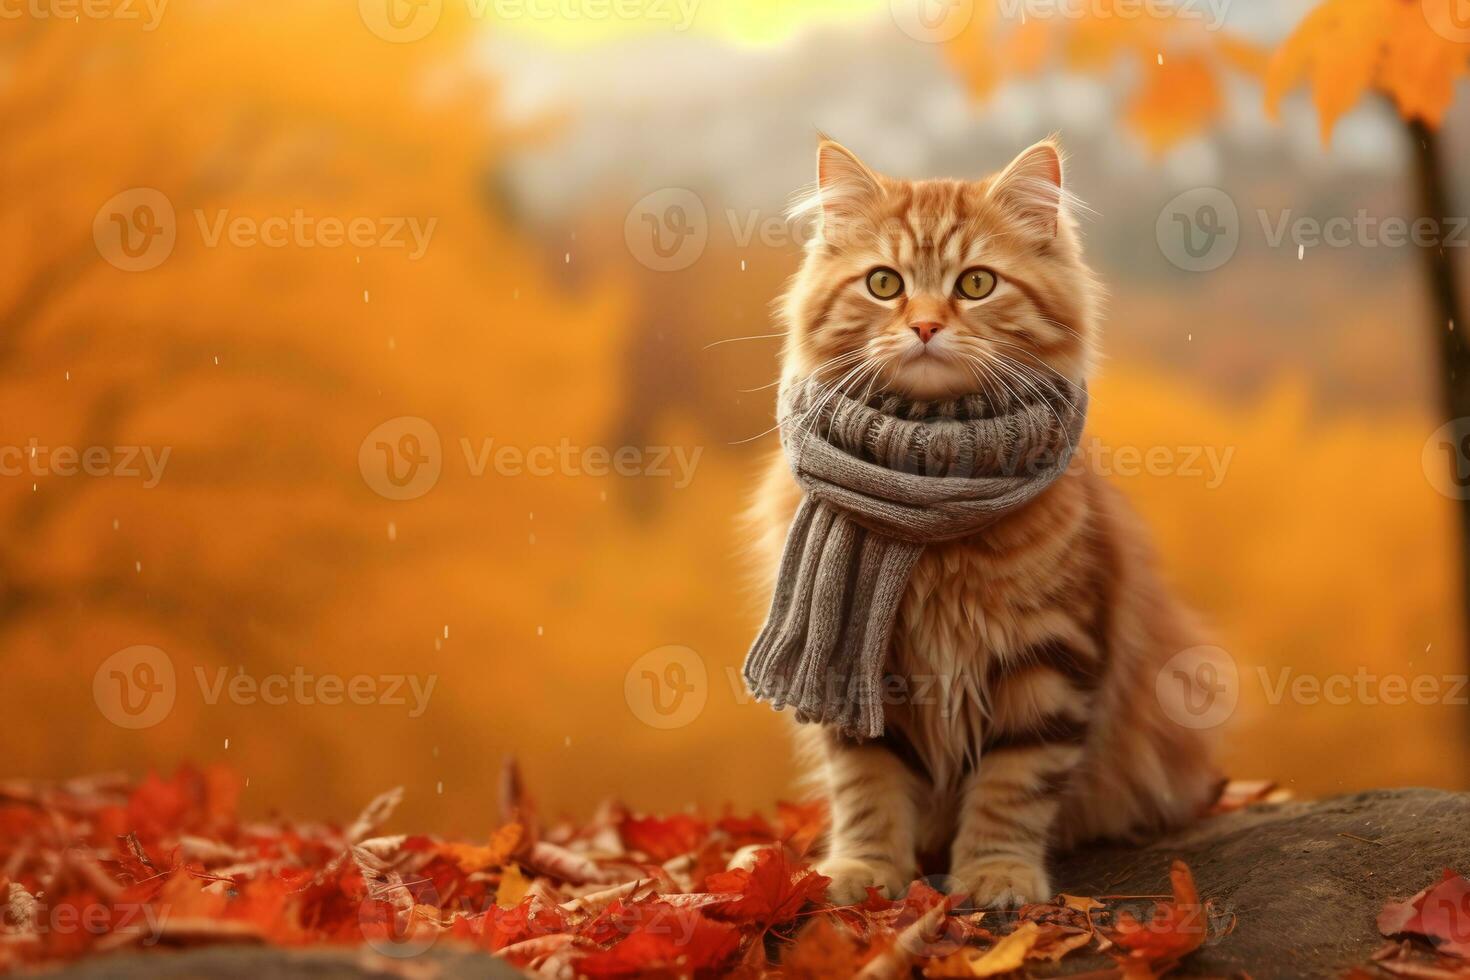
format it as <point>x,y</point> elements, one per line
<point>473,857</point>
<point>1178,99</point>
<point>1004,957</point>
<point>1027,46</point>
<point>1420,66</point>
<point>1081,904</point>
<point>1244,56</point>
<point>1058,944</point>
<point>513,887</point>
<point>1338,47</point>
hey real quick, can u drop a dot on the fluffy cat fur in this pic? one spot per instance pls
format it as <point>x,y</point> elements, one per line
<point>1032,648</point>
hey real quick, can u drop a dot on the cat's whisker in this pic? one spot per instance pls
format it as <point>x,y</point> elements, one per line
<point>832,391</point>
<point>734,340</point>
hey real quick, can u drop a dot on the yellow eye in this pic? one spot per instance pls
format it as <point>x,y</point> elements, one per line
<point>884,283</point>
<point>976,283</point>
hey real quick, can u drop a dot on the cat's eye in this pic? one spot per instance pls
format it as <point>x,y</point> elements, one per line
<point>975,283</point>
<point>884,283</point>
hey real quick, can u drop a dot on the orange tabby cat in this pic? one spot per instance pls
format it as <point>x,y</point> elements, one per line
<point>1031,648</point>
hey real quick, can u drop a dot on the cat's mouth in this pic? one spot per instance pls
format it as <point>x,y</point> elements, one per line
<point>931,373</point>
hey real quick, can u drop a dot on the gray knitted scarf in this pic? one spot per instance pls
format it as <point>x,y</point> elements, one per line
<point>882,478</point>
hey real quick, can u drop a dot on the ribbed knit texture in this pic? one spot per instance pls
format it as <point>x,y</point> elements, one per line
<point>881,479</point>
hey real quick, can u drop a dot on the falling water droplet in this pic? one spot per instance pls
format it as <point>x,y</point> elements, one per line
<point>392,531</point>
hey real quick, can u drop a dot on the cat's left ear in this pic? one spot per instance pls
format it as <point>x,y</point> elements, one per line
<point>1031,188</point>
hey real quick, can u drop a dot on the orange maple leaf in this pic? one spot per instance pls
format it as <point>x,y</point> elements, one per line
<point>1344,48</point>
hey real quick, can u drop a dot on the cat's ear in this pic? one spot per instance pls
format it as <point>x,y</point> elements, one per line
<point>1031,188</point>
<point>845,185</point>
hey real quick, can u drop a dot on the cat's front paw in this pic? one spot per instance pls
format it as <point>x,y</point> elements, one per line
<point>851,879</point>
<point>1003,882</point>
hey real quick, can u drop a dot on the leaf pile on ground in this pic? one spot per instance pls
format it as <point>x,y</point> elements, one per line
<point>101,864</point>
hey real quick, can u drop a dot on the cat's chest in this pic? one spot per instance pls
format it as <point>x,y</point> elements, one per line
<point>958,608</point>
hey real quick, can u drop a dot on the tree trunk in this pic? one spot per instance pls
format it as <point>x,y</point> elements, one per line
<point>1450,347</point>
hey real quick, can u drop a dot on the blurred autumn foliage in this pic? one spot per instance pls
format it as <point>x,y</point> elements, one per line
<point>1176,87</point>
<point>527,600</point>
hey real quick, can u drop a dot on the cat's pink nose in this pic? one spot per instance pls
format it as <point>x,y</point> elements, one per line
<point>926,330</point>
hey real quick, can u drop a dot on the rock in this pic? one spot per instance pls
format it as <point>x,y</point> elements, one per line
<point>1304,880</point>
<point>1306,896</point>
<point>444,961</point>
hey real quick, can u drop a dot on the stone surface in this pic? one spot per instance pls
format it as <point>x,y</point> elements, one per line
<point>1306,896</point>
<point>1305,881</point>
<point>442,962</point>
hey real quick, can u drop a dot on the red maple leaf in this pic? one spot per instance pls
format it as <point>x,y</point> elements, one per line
<point>1439,913</point>
<point>662,838</point>
<point>1176,928</point>
<point>667,942</point>
<point>771,893</point>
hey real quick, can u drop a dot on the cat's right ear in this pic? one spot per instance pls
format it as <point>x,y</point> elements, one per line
<point>845,185</point>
